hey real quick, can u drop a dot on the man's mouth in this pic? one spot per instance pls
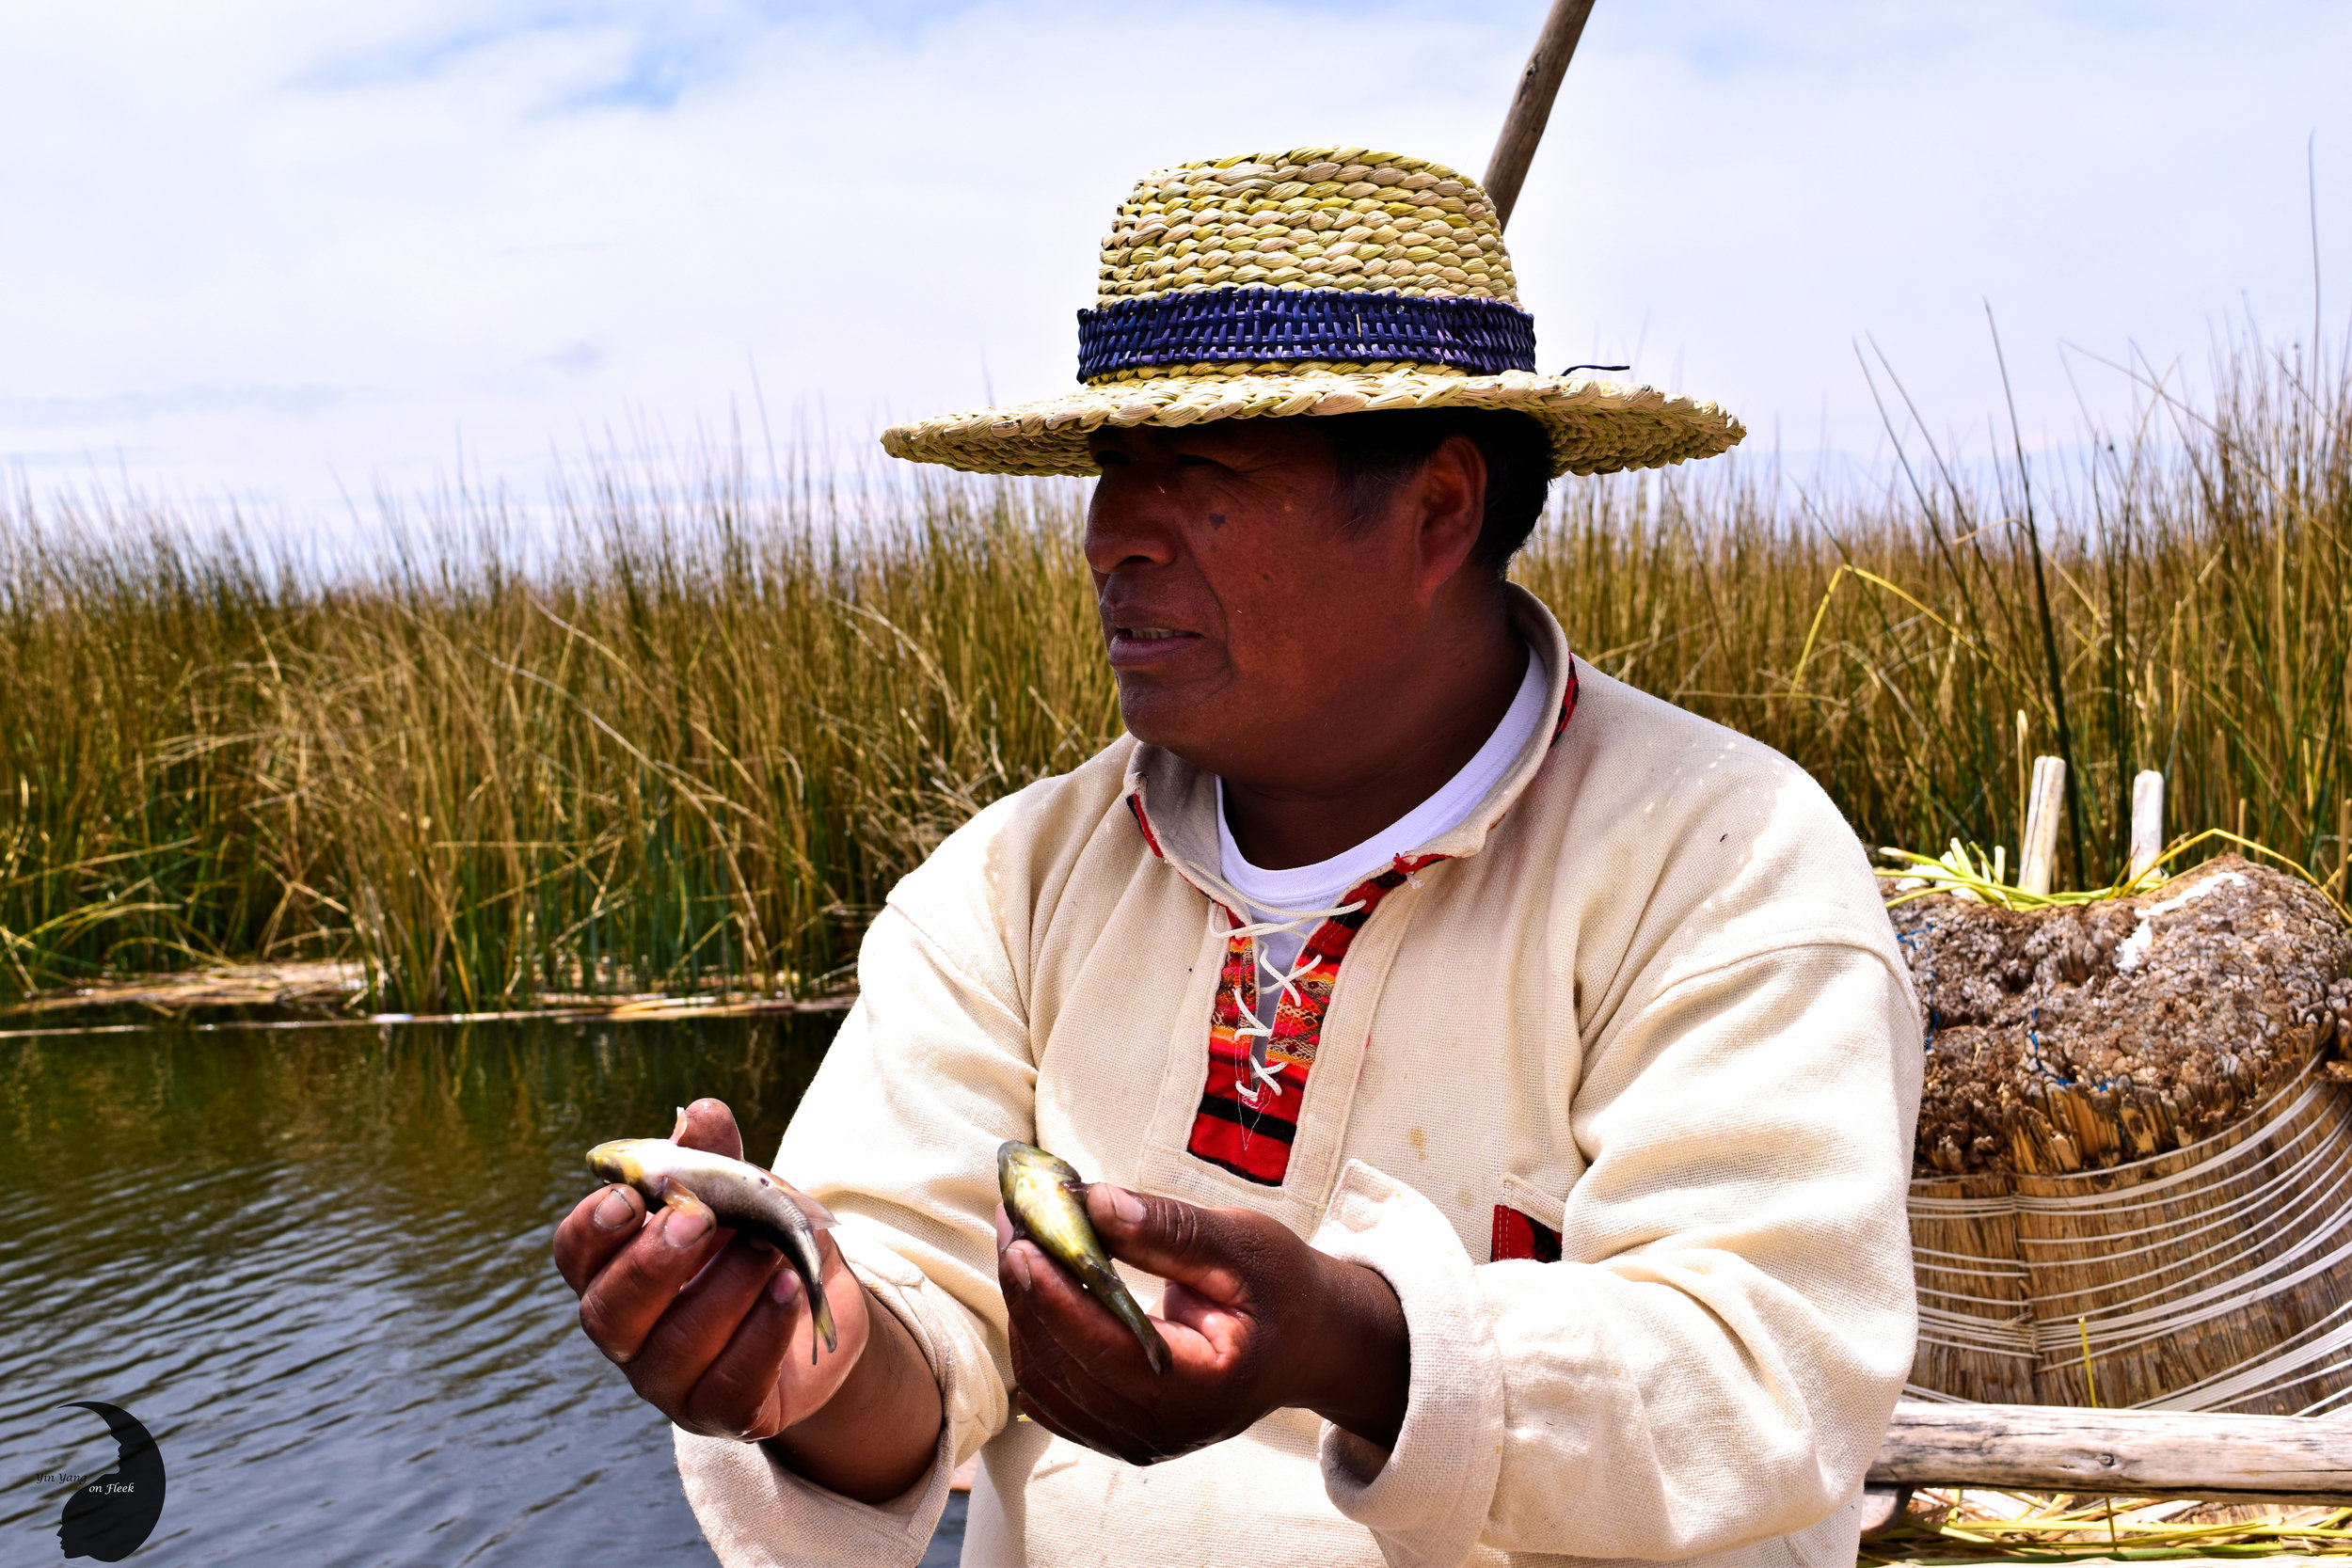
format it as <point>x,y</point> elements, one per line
<point>1143,644</point>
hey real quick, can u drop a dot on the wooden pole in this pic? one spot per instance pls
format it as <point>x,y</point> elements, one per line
<point>2147,824</point>
<point>2139,1453</point>
<point>2036,858</point>
<point>1531,107</point>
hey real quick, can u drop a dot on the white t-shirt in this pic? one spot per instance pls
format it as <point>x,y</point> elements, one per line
<point>1275,894</point>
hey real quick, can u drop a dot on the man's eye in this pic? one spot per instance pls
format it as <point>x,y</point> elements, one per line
<point>1111,457</point>
<point>1194,460</point>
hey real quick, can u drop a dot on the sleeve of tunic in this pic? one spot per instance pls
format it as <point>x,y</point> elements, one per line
<point>897,1135</point>
<point>1713,1360</point>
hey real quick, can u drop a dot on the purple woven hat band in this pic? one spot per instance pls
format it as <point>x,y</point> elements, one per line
<point>1472,334</point>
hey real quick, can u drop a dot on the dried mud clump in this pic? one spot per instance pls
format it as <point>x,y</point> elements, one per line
<point>2072,1038</point>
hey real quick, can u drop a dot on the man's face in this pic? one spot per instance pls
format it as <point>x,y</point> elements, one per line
<point>1243,621</point>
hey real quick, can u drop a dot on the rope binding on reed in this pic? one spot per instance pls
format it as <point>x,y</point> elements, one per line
<point>1318,280</point>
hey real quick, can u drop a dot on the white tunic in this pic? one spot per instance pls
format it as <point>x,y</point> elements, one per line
<point>1650,1001</point>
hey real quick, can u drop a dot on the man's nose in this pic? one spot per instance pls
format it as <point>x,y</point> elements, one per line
<point>1133,524</point>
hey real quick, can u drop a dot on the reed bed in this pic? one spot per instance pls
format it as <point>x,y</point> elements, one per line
<point>685,735</point>
<point>1957,1526</point>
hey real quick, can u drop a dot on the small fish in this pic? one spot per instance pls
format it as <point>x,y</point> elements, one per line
<point>744,1197</point>
<point>1042,1197</point>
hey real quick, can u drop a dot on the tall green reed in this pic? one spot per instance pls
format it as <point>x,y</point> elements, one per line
<point>693,742</point>
<point>695,745</point>
<point>2199,579</point>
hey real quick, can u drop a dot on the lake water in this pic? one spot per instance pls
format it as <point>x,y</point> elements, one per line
<point>314,1264</point>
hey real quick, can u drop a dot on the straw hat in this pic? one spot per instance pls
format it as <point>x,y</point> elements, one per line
<point>1320,280</point>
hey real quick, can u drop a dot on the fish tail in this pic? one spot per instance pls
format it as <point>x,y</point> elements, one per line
<point>820,1311</point>
<point>1112,1292</point>
<point>1154,1348</point>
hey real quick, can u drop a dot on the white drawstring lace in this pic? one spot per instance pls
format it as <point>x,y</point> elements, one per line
<point>1258,1030</point>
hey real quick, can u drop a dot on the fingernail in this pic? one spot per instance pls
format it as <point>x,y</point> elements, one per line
<point>614,1212</point>
<point>686,1225</point>
<point>1128,1207</point>
<point>1004,1229</point>
<point>677,1128</point>
<point>1019,1260</point>
<point>784,1287</point>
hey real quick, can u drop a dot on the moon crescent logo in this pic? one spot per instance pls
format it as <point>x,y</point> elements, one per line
<point>112,1517</point>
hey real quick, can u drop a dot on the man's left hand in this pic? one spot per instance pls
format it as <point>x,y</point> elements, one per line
<point>1255,1319</point>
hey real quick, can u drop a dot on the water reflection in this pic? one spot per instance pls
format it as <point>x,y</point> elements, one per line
<point>314,1264</point>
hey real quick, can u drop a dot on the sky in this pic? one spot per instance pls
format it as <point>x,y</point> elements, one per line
<point>291,257</point>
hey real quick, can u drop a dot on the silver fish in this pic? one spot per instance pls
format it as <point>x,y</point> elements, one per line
<point>744,1198</point>
<point>1041,1199</point>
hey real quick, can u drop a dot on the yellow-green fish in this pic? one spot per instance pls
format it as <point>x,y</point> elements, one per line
<point>1043,1201</point>
<point>749,1200</point>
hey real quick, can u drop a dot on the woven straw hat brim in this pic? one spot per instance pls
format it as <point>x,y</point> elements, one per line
<point>1595,426</point>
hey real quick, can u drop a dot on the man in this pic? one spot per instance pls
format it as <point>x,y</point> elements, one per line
<point>1499,1084</point>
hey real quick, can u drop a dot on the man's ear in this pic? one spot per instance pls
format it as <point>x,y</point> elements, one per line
<point>1452,495</point>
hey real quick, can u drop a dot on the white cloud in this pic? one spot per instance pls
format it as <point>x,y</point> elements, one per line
<point>259,248</point>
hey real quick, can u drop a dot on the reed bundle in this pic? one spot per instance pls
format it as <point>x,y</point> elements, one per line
<point>2214,1278</point>
<point>2134,1176</point>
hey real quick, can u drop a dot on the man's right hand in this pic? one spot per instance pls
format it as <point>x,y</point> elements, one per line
<point>711,1331</point>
